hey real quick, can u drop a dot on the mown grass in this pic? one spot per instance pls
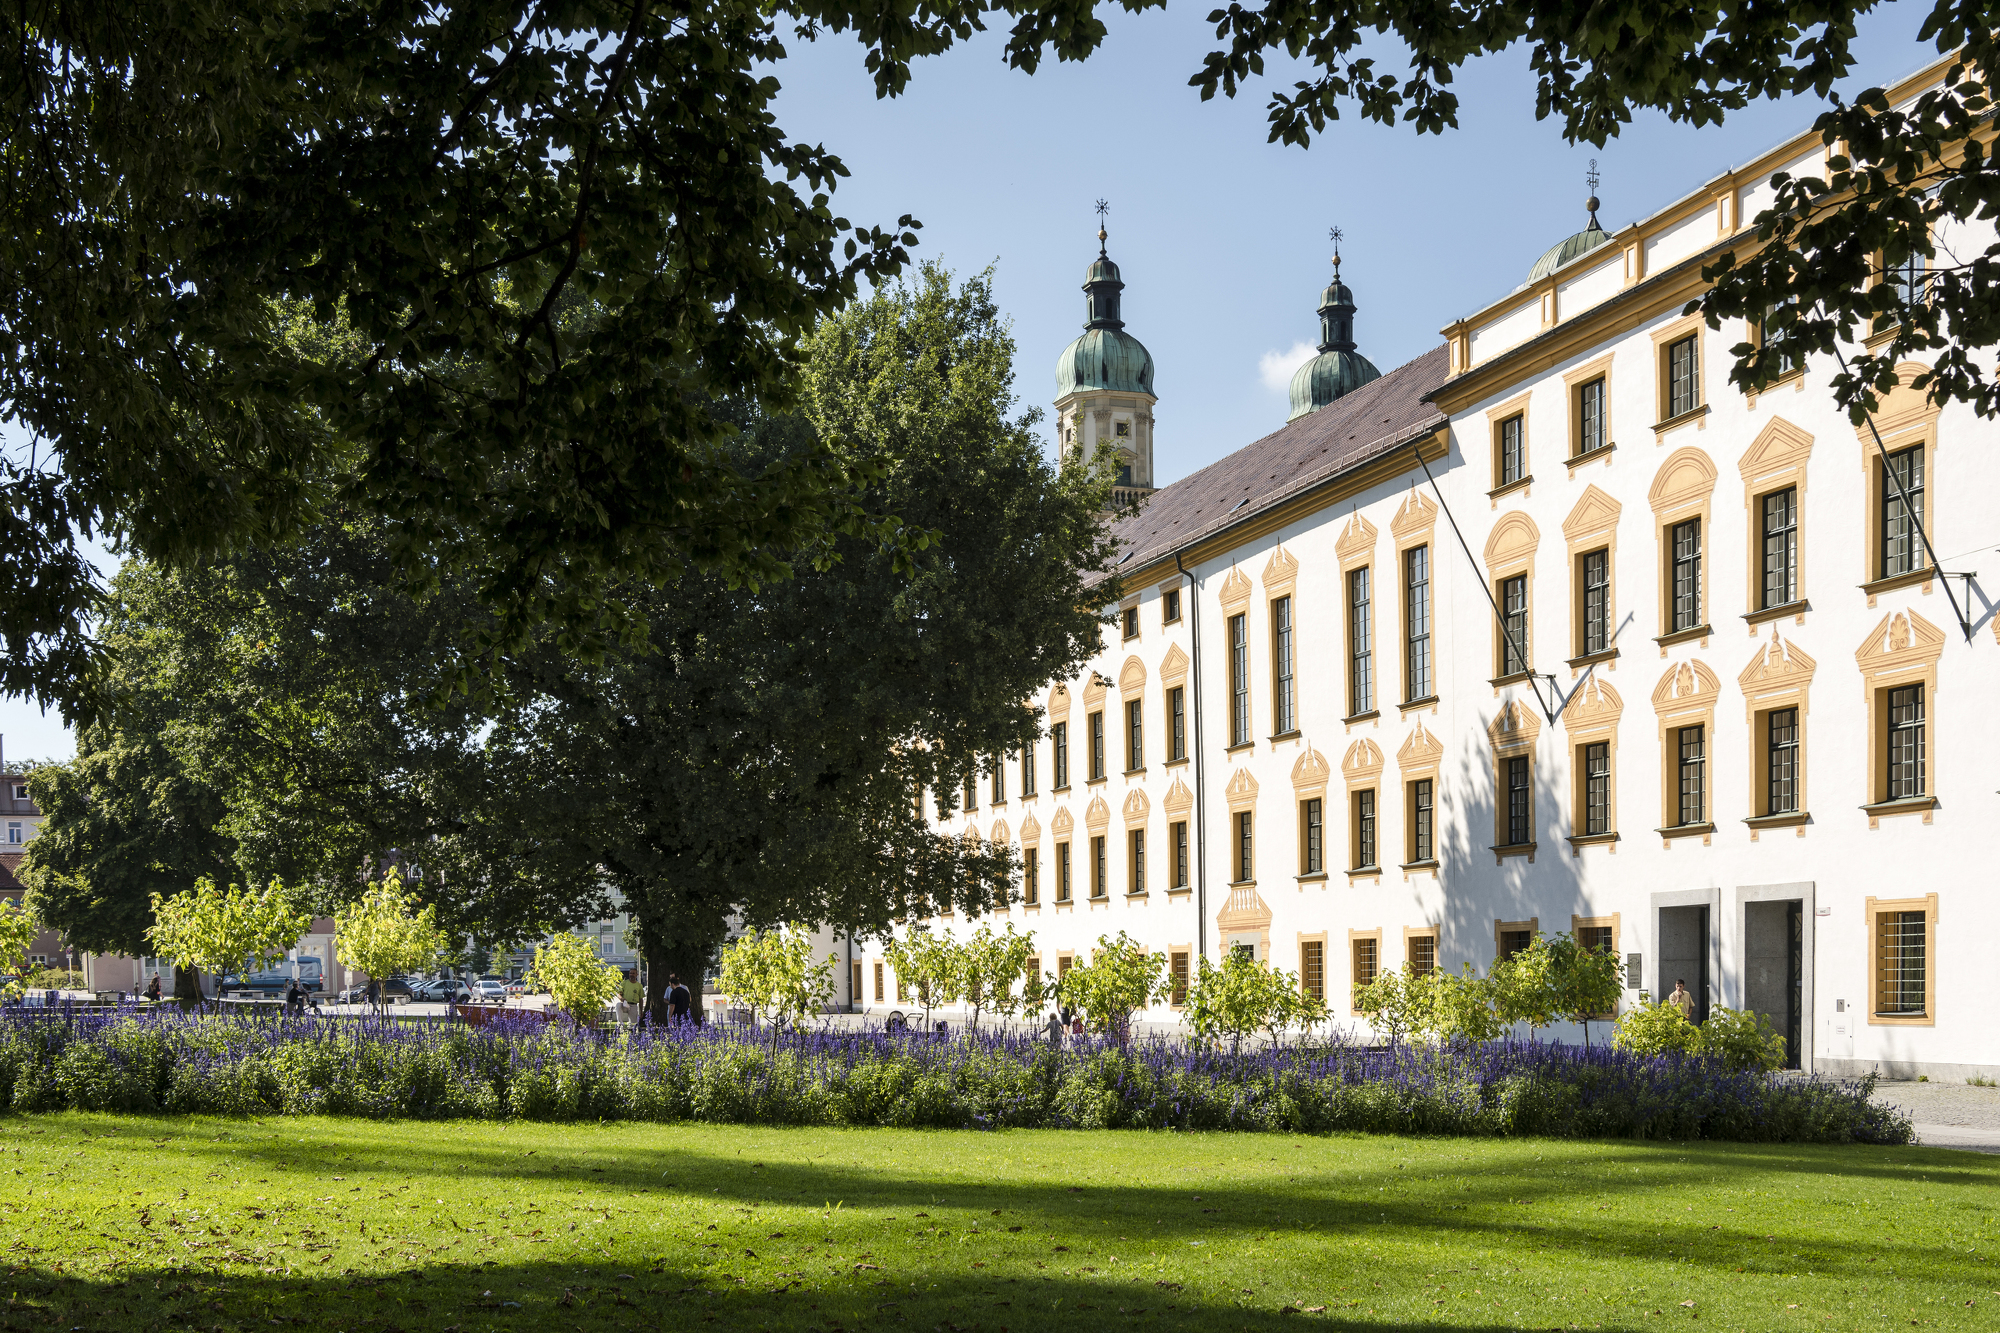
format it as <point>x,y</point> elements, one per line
<point>128,1224</point>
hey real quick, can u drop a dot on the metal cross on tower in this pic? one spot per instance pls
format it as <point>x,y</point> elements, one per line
<point>1335,234</point>
<point>1102,209</point>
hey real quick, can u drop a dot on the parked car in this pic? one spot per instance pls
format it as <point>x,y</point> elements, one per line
<point>271,983</point>
<point>445,990</point>
<point>395,990</point>
<point>517,987</point>
<point>489,990</point>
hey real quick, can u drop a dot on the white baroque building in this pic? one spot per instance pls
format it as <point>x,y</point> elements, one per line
<point>1548,629</point>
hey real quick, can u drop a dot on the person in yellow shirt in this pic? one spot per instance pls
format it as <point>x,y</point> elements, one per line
<point>1682,999</point>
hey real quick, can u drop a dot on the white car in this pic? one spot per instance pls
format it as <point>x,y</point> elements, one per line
<point>487,990</point>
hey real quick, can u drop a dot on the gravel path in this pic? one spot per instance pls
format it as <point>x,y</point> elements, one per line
<point>1948,1115</point>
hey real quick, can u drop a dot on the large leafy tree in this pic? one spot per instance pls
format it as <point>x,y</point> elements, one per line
<point>451,179</point>
<point>764,757</point>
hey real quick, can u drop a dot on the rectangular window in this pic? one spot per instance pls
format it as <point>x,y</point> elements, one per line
<point>1131,619</point>
<point>1032,987</point>
<point>1781,547</point>
<point>1245,864</point>
<point>999,792</point>
<point>1097,745</point>
<point>1590,427</point>
<point>1031,876</point>
<point>1364,829</point>
<point>1135,739</point>
<point>1781,759</point>
<point>1899,964</point>
<point>1902,551</point>
<point>1028,769</point>
<point>1098,885</point>
<point>1312,969</point>
<point>879,992</point>
<point>1178,967</point>
<point>1514,625</point>
<point>1059,749</point>
<point>971,792</point>
<point>1597,787</point>
<point>1683,377</point>
<point>1360,645</point>
<point>14,834</point>
<point>1774,338</point>
<point>1596,939</point>
<point>854,983</point>
<point>1518,823</point>
<point>1367,964</point>
<point>1062,872</point>
<point>1595,569</point>
<point>1239,680</point>
<point>1284,701</point>
<point>1423,840</point>
<point>1180,835</point>
<point>1138,841</point>
<point>1312,854</point>
<point>1515,941</point>
<point>1423,954</point>
<point>1693,770</point>
<point>1177,723</point>
<point>1170,606</point>
<point>1513,450</point>
<point>1417,623</point>
<point>1686,540</point>
<point>1906,743</point>
<point>1907,280</point>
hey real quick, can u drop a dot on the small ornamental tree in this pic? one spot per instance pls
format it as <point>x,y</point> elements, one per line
<point>773,973</point>
<point>569,970</point>
<point>387,933</point>
<point>932,965</point>
<point>1393,1002</point>
<point>1120,978</point>
<point>1584,983</point>
<point>1523,986</point>
<point>1741,1038</point>
<point>221,930</point>
<point>1455,1006</point>
<point>1656,1029</point>
<point>17,936</point>
<point>994,965</point>
<point>1243,997</point>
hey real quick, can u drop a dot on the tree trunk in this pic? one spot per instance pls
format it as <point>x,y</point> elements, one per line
<point>187,986</point>
<point>682,958</point>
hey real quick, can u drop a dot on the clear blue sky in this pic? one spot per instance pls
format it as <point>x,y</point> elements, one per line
<point>1220,235</point>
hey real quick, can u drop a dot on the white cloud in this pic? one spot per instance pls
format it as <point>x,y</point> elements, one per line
<point>1276,368</point>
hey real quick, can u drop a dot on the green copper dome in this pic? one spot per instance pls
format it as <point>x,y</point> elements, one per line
<point>1580,244</point>
<point>1105,357</point>
<point>1338,369</point>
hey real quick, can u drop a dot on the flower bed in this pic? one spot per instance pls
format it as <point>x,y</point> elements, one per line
<point>526,1068</point>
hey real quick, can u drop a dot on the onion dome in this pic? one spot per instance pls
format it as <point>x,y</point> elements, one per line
<point>1105,356</point>
<point>1338,369</point>
<point>1572,247</point>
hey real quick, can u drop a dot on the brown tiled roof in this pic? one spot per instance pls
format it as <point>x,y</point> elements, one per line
<point>1356,429</point>
<point>10,865</point>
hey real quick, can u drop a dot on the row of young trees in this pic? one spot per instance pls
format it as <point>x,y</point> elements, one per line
<point>302,712</point>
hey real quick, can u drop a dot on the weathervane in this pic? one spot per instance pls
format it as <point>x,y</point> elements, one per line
<point>1334,235</point>
<point>1102,209</point>
<point>1590,178</point>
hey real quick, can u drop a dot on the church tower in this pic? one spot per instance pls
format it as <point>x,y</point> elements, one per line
<point>1338,369</point>
<point>1104,384</point>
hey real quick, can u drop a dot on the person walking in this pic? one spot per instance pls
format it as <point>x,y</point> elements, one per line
<point>679,1001</point>
<point>1682,999</point>
<point>292,997</point>
<point>153,989</point>
<point>1055,1029</point>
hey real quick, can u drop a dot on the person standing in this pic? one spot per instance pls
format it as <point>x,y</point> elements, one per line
<point>153,989</point>
<point>679,1001</point>
<point>1682,999</point>
<point>1055,1029</point>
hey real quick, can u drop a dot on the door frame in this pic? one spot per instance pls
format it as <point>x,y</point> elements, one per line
<point>1801,892</point>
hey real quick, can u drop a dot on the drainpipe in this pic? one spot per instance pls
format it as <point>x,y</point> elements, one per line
<point>1200,787</point>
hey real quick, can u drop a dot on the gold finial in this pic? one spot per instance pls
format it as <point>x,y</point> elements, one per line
<point>1335,235</point>
<point>1102,209</point>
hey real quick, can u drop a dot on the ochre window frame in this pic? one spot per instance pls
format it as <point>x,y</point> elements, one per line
<point>1664,338</point>
<point>1873,908</point>
<point>1533,925</point>
<point>1280,581</point>
<point>1574,381</point>
<point>1512,735</point>
<point>1902,649</point>
<point>1685,697</point>
<point>1510,553</point>
<point>1361,770</point>
<point>1433,932</point>
<point>1234,598</point>
<point>1310,774</point>
<point>1421,758</point>
<point>1304,940</point>
<point>1904,418</point>
<point>1355,549</point>
<point>1591,717</point>
<point>1517,406</point>
<point>1775,461</point>
<point>1592,526</point>
<point>1355,937</point>
<point>1414,525</point>
<point>1779,676</point>
<point>1683,488</point>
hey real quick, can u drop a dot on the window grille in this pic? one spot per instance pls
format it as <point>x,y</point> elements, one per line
<point>1517,801</point>
<point>1902,551</point>
<point>971,794</point>
<point>1062,872</point>
<point>1284,699</point>
<point>1360,645</point>
<point>1312,969</point>
<point>1364,829</point>
<point>1597,787</point>
<point>1417,623</point>
<point>1135,735</point>
<point>1514,625</point>
<point>1059,752</point>
<point>1177,713</point>
<point>1595,938</point>
<point>1782,762</point>
<point>878,983</point>
<point>1596,602</point>
<point>1367,965</point>
<point>1423,846</point>
<point>1178,966</point>
<point>1423,954</point>
<point>1315,844</point>
<point>1515,941</point>
<point>999,792</point>
<point>1775,339</point>
<point>1899,967</point>
<point>1244,863</point>
<point>1686,538</point>
<point>1781,547</point>
<point>1693,768</point>
<point>1239,681</point>
<point>1513,449</point>
<point>1906,743</point>
<point>1682,377</point>
<point>1097,745</point>
<point>1590,429</point>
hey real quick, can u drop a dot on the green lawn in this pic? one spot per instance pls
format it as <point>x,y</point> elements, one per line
<point>128,1224</point>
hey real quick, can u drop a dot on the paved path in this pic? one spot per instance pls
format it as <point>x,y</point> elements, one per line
<point>1948,1115</point>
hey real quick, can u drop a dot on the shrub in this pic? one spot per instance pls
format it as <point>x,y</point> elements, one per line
<point>1742,1039</point>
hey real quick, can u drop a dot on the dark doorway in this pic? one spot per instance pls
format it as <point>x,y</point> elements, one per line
<point>1774,969</point>
<point>1684,954</point>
